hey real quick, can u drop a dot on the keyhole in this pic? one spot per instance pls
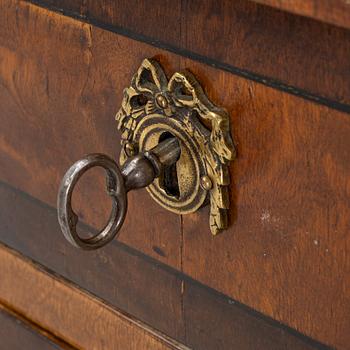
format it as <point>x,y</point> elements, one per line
<point>168,181</point>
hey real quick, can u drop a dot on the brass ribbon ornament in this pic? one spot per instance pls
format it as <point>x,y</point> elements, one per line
<point>181,107</point>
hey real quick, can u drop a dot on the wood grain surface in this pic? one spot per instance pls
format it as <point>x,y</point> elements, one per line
<point>70,113</point>
<point>291,53</point>
<point>152,292</point>
<point>332,11</point>
<point>18,334</point>
<point>116,273</point>
<point>286,252</point>
<point>68,312</point>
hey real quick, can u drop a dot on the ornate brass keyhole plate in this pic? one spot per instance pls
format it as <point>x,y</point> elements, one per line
<point>153,109</point>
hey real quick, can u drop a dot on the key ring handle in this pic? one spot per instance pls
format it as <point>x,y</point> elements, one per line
<point>115,188</point>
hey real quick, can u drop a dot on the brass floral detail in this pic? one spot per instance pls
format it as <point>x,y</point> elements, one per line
<point>182,98</point>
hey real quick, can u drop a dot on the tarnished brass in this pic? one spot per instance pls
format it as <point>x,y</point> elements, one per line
<point>175,142</point>
<point>154,109</point>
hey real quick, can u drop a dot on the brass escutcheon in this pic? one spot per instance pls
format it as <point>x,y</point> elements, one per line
<point>154,109</point>
<point>175,143</point>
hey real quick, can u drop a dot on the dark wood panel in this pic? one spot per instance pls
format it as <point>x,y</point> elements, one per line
<point>289,52</point>
<point>221,323</point>
<point>331,11</point>
<point>76,317</point>
<point>16,334</point>
<point>142,287</point>
<point>114,273</point>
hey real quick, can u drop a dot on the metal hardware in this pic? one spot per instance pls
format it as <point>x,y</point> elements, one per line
<point>154,108</point>
<point>175,142</point>
<point>138,172</point>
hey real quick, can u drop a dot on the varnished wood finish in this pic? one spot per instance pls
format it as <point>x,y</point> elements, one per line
<point>332,11</point>
<point>273,129</point>
<point>65,310</point>
<point>152,292</point>
<point>286,252</point>
<point>218,323</point>
<point>115,273</point>
<point>17,334</point>
<point>61,120</point>
<point>289,52</point>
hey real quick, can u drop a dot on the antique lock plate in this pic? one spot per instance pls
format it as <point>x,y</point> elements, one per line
<point>154,109</point>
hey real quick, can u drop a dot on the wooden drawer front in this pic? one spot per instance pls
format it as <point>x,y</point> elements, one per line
<point>150,291</point>
<point>336,11</point>
<point>17,334</point>
<point>291,53</point>
<point>72,315</point>
<point>286,251</point>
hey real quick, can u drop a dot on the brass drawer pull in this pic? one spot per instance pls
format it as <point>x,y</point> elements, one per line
<point>175,142</point>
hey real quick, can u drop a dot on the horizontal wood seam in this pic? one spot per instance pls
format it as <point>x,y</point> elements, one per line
<point>45,333</point>
<point>162,338</point>
<point>185,278</point>
<point>317,13</point>
<point>264,80</point>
